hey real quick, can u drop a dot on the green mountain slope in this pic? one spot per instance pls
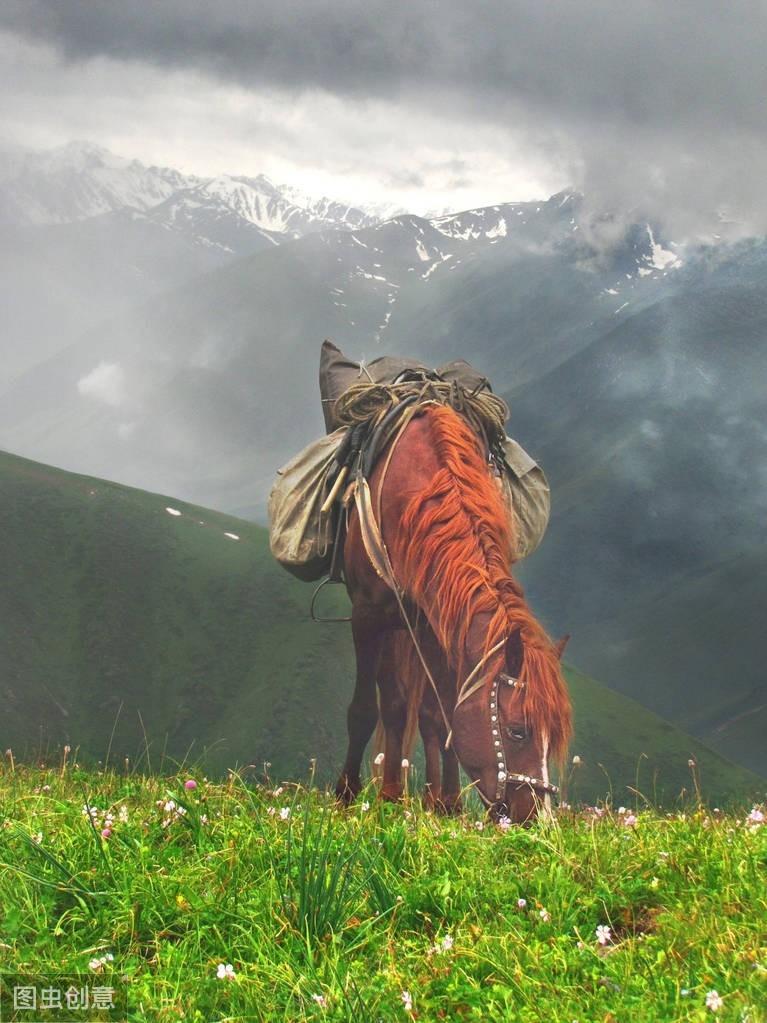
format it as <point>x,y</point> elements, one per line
<point>116,613</point>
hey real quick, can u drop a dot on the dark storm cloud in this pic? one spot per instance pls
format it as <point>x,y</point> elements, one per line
<point>688,62</point>
<point>652,103</point>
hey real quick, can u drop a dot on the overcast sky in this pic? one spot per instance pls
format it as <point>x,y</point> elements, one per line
<point>424,104</point>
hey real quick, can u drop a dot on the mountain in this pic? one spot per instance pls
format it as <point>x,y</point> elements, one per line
<point>131,617</point>
<point>88,234</point>
<point>634,367</point>
<point>233,357</point>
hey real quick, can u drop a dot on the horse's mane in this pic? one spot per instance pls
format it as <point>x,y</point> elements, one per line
<point>458,530</point>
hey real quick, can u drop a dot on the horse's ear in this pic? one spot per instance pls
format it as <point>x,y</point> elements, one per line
<point>514,653</point>
<point>560,647</point>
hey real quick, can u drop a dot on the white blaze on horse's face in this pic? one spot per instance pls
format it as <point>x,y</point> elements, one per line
<point>545,776</point>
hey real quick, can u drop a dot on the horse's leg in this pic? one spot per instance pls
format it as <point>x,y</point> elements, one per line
<point>362,715</point>
<point>451,782</point>
<point>430,738</point>
<point>394,717</point>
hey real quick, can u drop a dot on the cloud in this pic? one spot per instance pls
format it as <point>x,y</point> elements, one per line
<point>651,105</point>
<point>105,383</point>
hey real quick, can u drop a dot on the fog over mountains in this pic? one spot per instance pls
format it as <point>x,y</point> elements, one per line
<point>163,331</point>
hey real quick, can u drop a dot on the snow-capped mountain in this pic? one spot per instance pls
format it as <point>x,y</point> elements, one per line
<point>240,214</point>
<point>81,180</point>
<point>87,233</point>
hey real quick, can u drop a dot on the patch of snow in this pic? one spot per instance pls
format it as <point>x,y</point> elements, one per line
<point>232,536</point>
<point>499,231</point>
<point>420,248</point>
<point>172,511</point>
<point>662,259</point>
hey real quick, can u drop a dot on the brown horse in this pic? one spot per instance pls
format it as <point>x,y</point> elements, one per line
<point>499,686</point>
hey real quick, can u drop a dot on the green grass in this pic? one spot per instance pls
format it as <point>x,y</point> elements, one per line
<point>356,907</point>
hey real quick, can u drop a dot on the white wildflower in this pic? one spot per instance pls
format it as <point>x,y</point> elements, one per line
<point>714,1001</point>
<point>603,934</point>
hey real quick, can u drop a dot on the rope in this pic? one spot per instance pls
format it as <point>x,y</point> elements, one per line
<point>367,402</point>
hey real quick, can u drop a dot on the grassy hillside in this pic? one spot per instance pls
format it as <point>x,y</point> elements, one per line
<point>249,904</point>
<point>117,615</point>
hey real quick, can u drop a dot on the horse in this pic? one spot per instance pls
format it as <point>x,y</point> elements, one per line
<point>449,641</point>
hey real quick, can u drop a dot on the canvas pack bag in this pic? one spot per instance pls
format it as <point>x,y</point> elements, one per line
<point>300,535</point>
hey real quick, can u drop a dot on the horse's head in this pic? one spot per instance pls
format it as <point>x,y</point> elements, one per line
<point>503,741</point>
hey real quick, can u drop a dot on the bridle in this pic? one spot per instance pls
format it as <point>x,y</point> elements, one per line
<point>504,776</point>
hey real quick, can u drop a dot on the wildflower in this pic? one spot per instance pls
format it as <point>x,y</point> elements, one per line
<point>97,964</point>
<point>203,818</point>
<point>504,823</point>
<point>284,813</point>
<point>479,825</point>
<point>621,809</point>
<point>714,1001</point>
<point>320,1000</point>
<point>123,815</point>
<point>271,811</point>
<point>106,832</point>
<point>190,785</point>
<point>365,807</point>
<point>446,944</point>
<point>379,759</point>
<point>603,934</point>
<point>407,1001</point>
<point>630,820</point>
<point>405,763</point>
<point>654,884</point>
<point>278,791</point>
<point>544,915</point>
<point>38,838</point>
<point>756,816</point>
<point>691,763</point>
<point>521,903</point>
<point>225,971</point>
<point>576,760</point>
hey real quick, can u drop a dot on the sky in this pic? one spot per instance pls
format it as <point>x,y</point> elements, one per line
<point>425,104</point>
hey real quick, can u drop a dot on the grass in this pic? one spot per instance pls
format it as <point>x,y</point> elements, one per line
<point>380,912</point>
